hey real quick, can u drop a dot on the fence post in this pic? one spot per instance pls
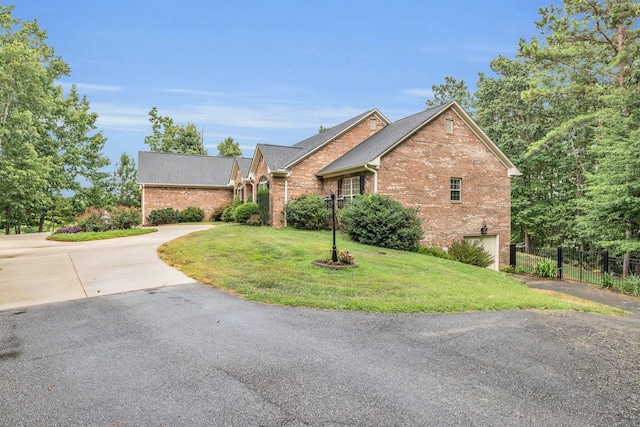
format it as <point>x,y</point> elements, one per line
<point>512,255</point>
<point>605,261</point>
<point>559,262</point>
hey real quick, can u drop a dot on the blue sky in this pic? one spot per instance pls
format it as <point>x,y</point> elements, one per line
<point>269,71</point>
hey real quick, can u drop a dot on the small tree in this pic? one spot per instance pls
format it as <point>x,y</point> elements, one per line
<point>263,204</point>
<point>373,219</point>
<point>229,148</point>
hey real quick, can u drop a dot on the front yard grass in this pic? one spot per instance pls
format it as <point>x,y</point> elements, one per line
<point>274,266</point>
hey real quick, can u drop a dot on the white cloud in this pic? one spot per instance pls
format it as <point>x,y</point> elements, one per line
<point>424,93</point>
<point>91,88</point>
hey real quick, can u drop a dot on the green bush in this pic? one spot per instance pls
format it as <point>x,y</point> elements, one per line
<point>244,212</point>
<point>216,215</point>
<point>254,220</point>
<point>91,220</point>
<point>471,252</point>
<point>263,204</point>
<point>229,214</point>
<point>545,268</point>
<point>163,216</point>
<point>374,219</point>
<point>433,251</point>
<point>191,214</point>
<point>125,217</point>
<point>307,212</point>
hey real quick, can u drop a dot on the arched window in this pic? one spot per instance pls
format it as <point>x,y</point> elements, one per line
<point>264,181</point>
<point>240,192</point>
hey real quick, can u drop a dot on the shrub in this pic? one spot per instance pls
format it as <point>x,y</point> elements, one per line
<point>263,204</point>
<point>91,220</point>
<point>254,220</point>
<point>471,252</point>
<point>244,212</point>
<point>545,268</point>
<point>433,251</point>
<point>68,230</point>
<point>374,219</point>
<point>227,214</point>
<point>191,214</point>
<point>345,257</point>
<point>163,216</point>
<point>307,212</point>
<point>123,217</point>
<point>216,215</point>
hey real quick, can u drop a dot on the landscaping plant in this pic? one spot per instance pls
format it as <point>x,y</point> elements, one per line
<point>191,214</point>
<point>470,252</point>
<point>163,216</point>
<point>245,211</point>
<point>125,217</point>
<point>377,220</point>
<point>308,212</point>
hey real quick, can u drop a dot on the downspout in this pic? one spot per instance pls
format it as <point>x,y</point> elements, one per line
<point>375,177</point>
<point>142,201</point>
<point>286,197</point>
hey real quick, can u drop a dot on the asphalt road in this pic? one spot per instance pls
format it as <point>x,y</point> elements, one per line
<point>189,355</point>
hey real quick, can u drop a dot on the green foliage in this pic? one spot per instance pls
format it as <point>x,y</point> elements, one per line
<point>451,90</point>
<point>263,204</point>
<point>229,148</point>
<point>630,285</point>
<point>254,220</point>
<point>228,214</point>
<point>101,235</point>
<point>125,217</point>
<point>245,211</point>
<point>191,214</point>
<point>163,216</point>
<point>374,219</point>
<point>470,252</point>
<point>171,138</point>
<point>545,268</point>
<point>433,251</point>
<point>308,212</point>
<point>216,215</point>
<point>47,138</point>
<point>91,220</point>
<point>123,182</point>
<point>608,280</point>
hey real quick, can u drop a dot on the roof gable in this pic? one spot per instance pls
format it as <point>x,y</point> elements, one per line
<point>184,169</point>
<point>373,148</point>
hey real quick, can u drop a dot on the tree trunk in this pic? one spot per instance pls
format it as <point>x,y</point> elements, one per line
<point>527,242</point>
<point>7,221</point>
<point>41,224</point>
<point>626,262</point>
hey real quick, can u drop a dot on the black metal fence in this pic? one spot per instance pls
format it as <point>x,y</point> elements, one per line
<point>573,264</point>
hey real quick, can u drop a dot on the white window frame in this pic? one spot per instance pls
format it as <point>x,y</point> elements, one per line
<point>449,125</point>
<point>455,188</point>
<point>350,187</point>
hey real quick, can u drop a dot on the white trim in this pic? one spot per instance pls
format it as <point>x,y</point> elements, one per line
<point>375,177</point>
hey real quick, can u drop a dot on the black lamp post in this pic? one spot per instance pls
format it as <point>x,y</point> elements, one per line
<point>330,203</point>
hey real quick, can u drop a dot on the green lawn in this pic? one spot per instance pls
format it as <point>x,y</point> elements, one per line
<point>99,235</point>
<point>275,266</point>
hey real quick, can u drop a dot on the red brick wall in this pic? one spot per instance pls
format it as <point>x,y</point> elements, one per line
<point>418,173</point>
<point>181,197</point>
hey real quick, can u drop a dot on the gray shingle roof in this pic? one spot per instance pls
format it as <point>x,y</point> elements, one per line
<point>278,156</point>
<point>244,164</point>
<point>376,145</point>
<point>183,169</point>
<point>312,143</point>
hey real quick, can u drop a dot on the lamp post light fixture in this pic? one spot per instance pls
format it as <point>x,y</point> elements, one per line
<point>330,203</point>
<point>483,230</point>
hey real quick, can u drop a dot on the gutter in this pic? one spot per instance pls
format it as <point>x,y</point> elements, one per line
<point>375,177</point>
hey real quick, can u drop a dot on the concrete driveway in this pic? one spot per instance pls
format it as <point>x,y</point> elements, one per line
<point>35,271</point>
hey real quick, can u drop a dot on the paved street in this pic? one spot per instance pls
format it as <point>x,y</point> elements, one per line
<point>191,355</point>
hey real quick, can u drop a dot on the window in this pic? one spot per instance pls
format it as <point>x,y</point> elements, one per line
<point>456,189</point>
<point>264,182</point>
<point>449,125</point>
<point>350,187</point>
<point>373,124</point>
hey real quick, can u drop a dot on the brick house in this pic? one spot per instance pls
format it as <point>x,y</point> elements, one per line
<point>438,161</point>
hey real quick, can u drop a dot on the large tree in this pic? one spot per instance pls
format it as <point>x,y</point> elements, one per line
<point>451,90</point>
<point>229,148</point>
<point>587,69</point>
<point>169,137</point>
<point>47,140</point>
